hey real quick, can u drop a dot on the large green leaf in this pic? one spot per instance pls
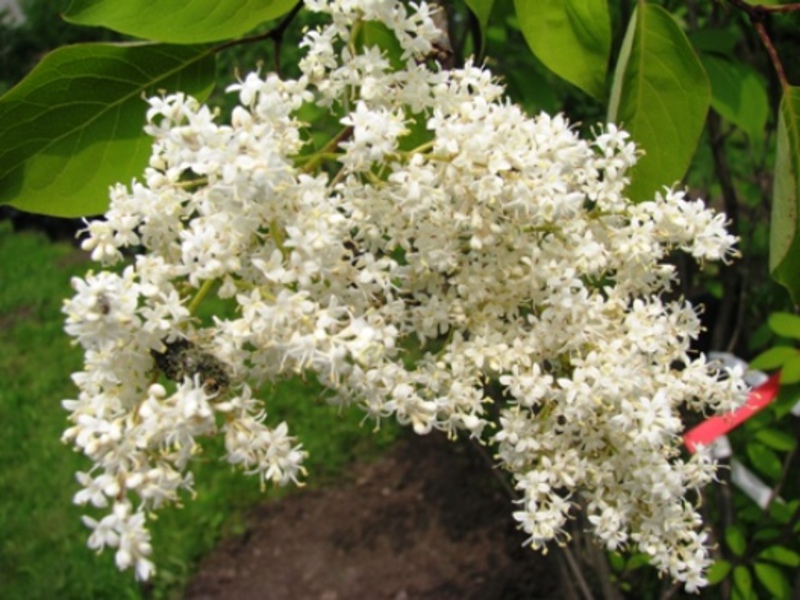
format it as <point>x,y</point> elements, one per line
<point>784,243</point>
<point>178,21</point>
<point>73,126</point>
<point>661,96</point>
<point>738,94</point>
<point>571,37</point>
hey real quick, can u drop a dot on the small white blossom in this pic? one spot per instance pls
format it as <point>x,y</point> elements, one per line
<point>503,247</point>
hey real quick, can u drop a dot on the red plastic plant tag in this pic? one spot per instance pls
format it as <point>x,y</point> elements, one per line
<point>710,429</point>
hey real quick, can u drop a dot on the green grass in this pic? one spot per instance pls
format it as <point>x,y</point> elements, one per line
<point>43,551</point>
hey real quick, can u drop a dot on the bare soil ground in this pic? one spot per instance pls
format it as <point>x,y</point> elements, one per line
<point>428,520</point>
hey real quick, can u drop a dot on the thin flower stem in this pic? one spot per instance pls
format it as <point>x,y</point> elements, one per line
<point>328,151</point>
<point>200,295</point>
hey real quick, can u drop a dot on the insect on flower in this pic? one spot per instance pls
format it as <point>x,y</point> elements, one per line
<point>182,358</point>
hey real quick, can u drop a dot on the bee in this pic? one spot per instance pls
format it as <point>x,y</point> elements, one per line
<point>103,304</point>
<point>183,358</point>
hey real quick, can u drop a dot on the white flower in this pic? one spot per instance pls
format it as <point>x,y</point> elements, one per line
<point>502,250</point>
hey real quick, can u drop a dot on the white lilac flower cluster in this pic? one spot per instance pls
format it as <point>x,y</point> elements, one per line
<point>503,246</point>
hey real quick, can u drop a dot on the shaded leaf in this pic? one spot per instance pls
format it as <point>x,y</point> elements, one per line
<point>738,94</point>
<point>776,439</point>
<point>790,371</point>
<point>764,460</point>
<point>73,126</point>
<point>661,96</point>
<point>767,533</point>
<point>572,38</point>
<point>780,512</point>
<point>788,396</point>
<point>742,580</point>
<point>718,571</point>
<point>734,538</point>
<point>784,243</point>
<point>482,9</point>
<point>717,40</point>
<point>178,21</point>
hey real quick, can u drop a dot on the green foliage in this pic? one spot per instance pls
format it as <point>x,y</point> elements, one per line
<point>784,235</point>
<point>482,9</point>
<point>661,96</point>
<point>785,324</point>
<point>738,94</point>
<point>719,571</point>
<point>73,127</point>
<point>735,540</point>
<point>761,549</point>
<point>785,358</point>
<point>572,38</point>
<point>178,21</point>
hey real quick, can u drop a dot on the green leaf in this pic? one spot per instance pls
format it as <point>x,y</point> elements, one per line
<point>788,396</point>
<point>785,324</point>
<point>781,555</point>
<point>572,38</point>
<point>661,96</point>
<point>772,578</point>
<point>73,126</point>
<point>773,358</point>
<point>790,372</point>
<point>742,579</point>
<point>767,533</point>
<point>776,439</point>
<point>781,512</point>
<point>482,9</point>
<point>718,571</point>
<point>784,242</point>
<point>616,561</point>
<point>638,559</point>
<point>376,34</point>
<point>738,94</point>
<point>717,40</point>
<point>734,538</point>
<point>764,460</point>
<point>178,21</point>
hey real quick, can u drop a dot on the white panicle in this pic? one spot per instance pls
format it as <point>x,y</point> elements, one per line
<point>504,244</point>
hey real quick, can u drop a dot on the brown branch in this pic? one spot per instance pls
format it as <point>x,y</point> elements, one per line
<point>275,34</point>
<point>758,13</point>
<point>783,8</point>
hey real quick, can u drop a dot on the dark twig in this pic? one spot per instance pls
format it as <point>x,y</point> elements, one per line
<point>758,13</point>
<point>761,9</point>
<point>787,462</point>
<point>566,558</point>
<point>730,278</point>
<point>275,34</point>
